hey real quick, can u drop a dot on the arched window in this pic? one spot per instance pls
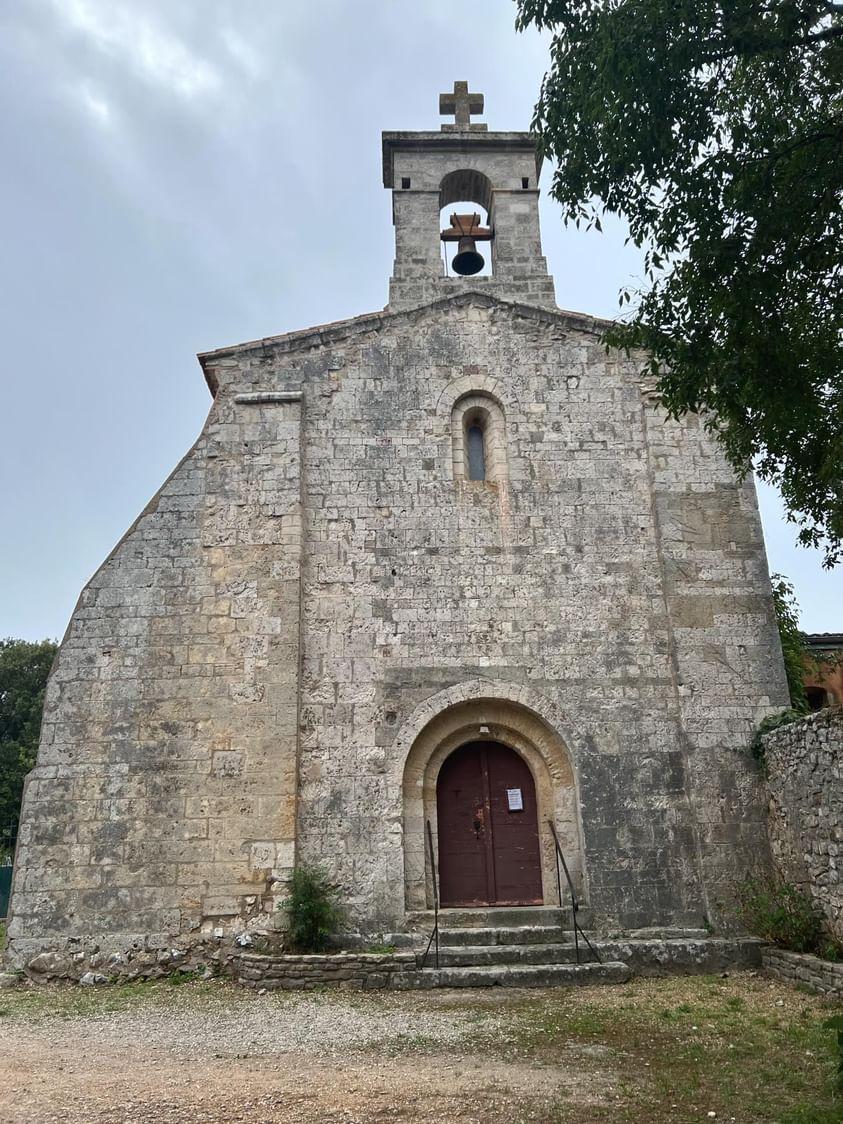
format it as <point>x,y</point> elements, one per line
<point>478,431</point>
<point>476,445</point>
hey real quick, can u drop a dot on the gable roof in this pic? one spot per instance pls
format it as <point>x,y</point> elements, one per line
<point>323,335</point>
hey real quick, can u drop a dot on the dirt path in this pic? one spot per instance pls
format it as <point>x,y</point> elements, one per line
<point>291,1059</point>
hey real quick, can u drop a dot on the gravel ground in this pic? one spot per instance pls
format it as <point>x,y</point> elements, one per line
<point>735,1048</point>
<point>208,1056</point>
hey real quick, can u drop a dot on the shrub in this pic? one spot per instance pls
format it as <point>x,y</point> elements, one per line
<point>780,913</point>
<point>313,909</point>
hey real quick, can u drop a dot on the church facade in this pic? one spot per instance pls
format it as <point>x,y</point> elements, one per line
<point>433,584</point>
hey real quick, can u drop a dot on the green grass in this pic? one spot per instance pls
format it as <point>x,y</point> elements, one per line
<point>743,1048</point>
<point>670,1051</point>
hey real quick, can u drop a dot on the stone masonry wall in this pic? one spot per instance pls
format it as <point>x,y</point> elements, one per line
<point>355,971</point>
<point>163,799</point>
<point>722,639</point>
<point>568,581</point>
<point>312,576</point>
<point>804,764</point>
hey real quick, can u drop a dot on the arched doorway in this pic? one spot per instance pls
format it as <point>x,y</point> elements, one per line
<point>487,818</point>
<point>514,716</point>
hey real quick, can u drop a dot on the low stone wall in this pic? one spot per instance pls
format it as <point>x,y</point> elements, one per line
<point>804,763</point>
<point>821,976</point>
<point>360,971</point>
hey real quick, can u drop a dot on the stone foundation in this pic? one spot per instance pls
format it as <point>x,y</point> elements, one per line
<point>77,961</point>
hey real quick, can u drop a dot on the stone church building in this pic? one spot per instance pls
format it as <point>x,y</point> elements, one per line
<point>445,563</point>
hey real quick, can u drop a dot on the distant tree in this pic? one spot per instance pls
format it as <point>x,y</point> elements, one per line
<point>794,642</point>
<point>24,668</point>
<point>715,127</point>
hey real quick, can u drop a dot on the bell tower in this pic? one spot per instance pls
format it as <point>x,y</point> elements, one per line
<point>465,163</point>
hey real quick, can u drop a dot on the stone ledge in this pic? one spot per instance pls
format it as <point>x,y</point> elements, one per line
<point>823,977</point>
<point>267,397</point>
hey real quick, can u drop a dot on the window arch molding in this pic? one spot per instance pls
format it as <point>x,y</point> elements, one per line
<point>478,437</point>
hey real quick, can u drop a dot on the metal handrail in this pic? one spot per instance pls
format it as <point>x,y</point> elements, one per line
<point>434,936</point>
<point>575,905</point>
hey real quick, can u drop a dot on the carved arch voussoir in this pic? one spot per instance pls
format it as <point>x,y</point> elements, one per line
<point>475,690</point>
<point>473,384</point>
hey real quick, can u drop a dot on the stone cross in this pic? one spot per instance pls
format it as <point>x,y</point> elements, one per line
<point>462,104</point>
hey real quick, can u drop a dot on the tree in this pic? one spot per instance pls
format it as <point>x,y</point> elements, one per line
<point>795,648</point>
<point>24,668</point>
<point>715,128</point>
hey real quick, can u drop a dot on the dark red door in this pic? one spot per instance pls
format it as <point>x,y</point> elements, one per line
<point>488,828</point>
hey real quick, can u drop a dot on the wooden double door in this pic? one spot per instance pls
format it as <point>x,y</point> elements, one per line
<point>488,828</point>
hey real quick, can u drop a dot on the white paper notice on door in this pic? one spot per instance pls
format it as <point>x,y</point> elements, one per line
<point>515,800</point>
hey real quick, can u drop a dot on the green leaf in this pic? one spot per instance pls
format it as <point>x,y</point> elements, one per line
<point>716,131</point>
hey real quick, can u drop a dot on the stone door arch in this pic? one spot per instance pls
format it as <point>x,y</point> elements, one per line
<point>512,724</point>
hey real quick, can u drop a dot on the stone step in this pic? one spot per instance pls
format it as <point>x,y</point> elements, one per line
<point>499,917</point>
<point>646,957</point>
<point>521,975</point>
<point>522,935</point>
<point>463,956</point>
<point>535,934</point>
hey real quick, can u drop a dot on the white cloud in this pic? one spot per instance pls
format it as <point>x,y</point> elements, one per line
<point>243,53</point>
<point>133,39</point>
<point>94,104</point>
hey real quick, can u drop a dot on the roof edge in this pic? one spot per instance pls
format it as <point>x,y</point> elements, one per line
<point>339,329</point>
<point>456,142</point>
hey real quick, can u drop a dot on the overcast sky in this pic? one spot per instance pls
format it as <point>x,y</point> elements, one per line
<point>182,174</point>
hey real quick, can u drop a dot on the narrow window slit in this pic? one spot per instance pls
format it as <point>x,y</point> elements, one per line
<point>476,451</point>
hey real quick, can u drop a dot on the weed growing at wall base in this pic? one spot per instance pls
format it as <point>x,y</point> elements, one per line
<point>780,913</point>
<point>313,909</point>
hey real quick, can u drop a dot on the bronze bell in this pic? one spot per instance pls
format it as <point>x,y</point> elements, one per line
<point>467,231</point>
<point>467,260</point>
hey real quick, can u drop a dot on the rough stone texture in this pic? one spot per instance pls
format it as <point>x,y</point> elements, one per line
<point>245,678</point>
<point>358,971</point>
<point>84,961</point>
<point>821,976</point>
<point>805,821</point>
<point>511,975</point>
<point>684,956</point>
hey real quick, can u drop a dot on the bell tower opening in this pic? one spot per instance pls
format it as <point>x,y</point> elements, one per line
<point>465,210</point>
<point>465,200</point>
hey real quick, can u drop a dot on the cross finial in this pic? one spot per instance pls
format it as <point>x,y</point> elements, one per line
<point>462,104</point>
